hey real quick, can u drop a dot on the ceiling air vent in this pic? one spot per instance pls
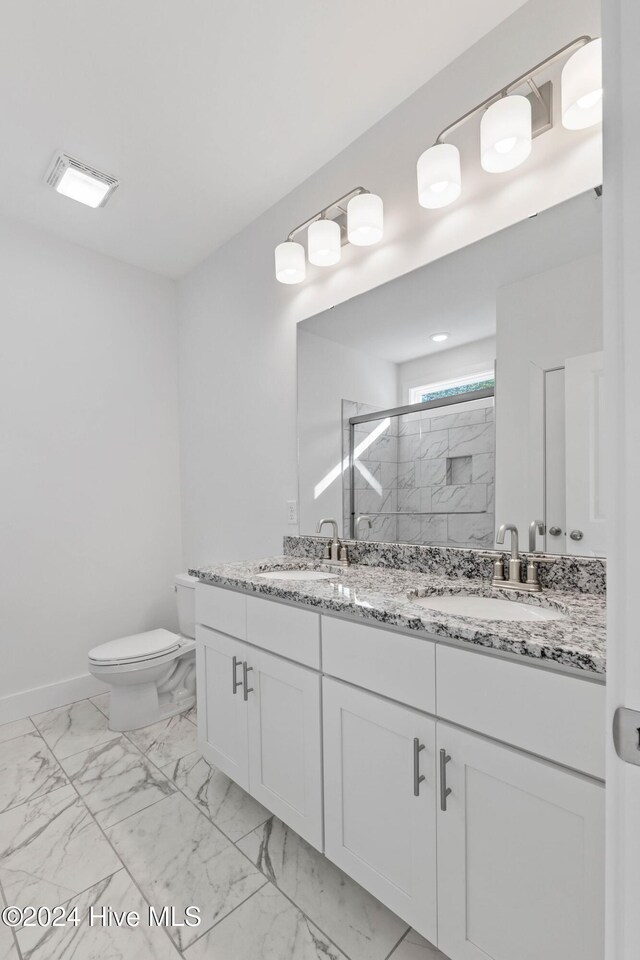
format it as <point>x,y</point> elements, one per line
<point>79,181</point>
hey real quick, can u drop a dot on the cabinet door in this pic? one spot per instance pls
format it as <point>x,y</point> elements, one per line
<point>222,711</point>
<point>285,747</point>
<point>380,823</point>
<point>520,856</point>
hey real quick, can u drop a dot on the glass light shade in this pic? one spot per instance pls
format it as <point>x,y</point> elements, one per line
<point>439,178</point>
<point>324,245</point>
<point>290,262</point>
<point>505,134</point>
<point>365,219</point>
<point>581,84</point>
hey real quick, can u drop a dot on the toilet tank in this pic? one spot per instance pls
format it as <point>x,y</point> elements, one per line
<point>186,600</point>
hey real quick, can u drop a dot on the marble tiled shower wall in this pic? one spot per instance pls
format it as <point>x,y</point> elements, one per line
<point>428,478</point>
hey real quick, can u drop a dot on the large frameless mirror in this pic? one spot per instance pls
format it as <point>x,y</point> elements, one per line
<point>463,395</point>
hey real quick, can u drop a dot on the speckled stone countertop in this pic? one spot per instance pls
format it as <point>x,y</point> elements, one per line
<point>577,642</point>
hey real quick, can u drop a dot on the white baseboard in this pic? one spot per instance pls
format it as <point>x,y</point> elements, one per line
<point>29,702</point>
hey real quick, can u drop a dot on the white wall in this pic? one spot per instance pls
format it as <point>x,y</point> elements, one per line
<point>89,488</point>
<point>468,359</point>
<point>328,373</point>
<point>237,324</point>
<point>541,321</point>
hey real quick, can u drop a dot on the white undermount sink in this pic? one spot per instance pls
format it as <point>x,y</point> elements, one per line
<point>296,575</point>
<point>487,608</point>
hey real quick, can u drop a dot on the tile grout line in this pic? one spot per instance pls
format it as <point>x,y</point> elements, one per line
<point>178,789</point>
<point>12,929</point>
<point>28,733</point>
<point>149,805</point>
<point>38,796</point>
<point>123,864</point>
<point>266,883</point>
<point>235,844</point>
<point>102,830</point>
<point>389,956</point>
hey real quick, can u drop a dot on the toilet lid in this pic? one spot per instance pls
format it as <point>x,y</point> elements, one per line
<point>139,646</point>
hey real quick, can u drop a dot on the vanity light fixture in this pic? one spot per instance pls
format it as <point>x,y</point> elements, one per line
<point>355,218</point>
<point>511,120</point>
<point>77,180</point>
<point>290,262</point>
<point>582,87</point>
<point>364,219</point>
<point>439,179</point>
<point>324,242</point>
<point>439,337</point>
<point>505,134</point>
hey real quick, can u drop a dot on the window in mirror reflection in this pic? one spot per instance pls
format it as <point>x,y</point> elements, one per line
<point>452,388</point>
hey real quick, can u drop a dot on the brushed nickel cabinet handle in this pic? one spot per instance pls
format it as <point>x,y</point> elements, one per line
<point>444,789</point>
<point>245,682</point>
<point>235,683</point>
<point>417,776</point>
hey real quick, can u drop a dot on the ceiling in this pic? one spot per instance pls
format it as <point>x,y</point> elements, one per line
<point>396,320</point>
<point>208,111</point>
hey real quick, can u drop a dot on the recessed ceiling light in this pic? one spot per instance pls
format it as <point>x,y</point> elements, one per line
<point>439,337</point>
<point>79,181</point>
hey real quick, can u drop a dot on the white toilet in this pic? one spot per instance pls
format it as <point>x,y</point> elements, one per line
<point>152,675</point>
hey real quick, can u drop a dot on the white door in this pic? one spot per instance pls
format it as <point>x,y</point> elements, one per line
<point>585,462</point>
<point>222,711</point>
<point>520,856</point>
<point>285,744</point>
<point>379,815</point>
<point>621,244</point>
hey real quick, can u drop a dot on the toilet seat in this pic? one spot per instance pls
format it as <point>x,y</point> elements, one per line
<point>137,648</point>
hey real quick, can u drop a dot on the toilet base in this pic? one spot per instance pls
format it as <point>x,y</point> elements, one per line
<point>133,706</point>
<point>145,710</point>
<point>146,694</point>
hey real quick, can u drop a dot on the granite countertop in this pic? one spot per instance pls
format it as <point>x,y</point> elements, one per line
<point>577,642</point>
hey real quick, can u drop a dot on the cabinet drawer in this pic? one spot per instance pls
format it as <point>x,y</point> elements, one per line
<point>392,664</point>
<point>284,630</point>
<point>222,610</point>
<point>558,717</point>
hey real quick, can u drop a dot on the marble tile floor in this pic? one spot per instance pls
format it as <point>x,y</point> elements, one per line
<point>94,819</point>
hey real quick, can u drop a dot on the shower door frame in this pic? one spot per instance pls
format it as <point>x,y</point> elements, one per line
<point>486,394</point>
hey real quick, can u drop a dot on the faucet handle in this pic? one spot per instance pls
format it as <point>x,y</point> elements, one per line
<point>498,564</point>
<point>532,569</point>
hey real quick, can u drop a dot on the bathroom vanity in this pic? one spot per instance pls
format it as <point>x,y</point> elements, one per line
<point>453,767</point>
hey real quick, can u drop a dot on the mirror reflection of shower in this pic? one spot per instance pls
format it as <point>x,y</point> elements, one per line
<point>428,476</point>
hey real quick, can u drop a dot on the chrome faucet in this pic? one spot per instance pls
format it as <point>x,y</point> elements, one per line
<point>363,518</point>
<point>515,563</point>
<point>532,583</point>
<point>334,551</point>
<point>535,527</point>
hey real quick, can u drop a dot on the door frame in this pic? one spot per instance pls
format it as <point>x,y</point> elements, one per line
<point>621,256</point>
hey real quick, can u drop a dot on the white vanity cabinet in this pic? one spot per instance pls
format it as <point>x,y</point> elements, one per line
<point>285,742</point>
<point>495,764</point>
<point>222,718</point>
<point>259,717</point>
<point>520,856</point>
<point>380,799</point>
